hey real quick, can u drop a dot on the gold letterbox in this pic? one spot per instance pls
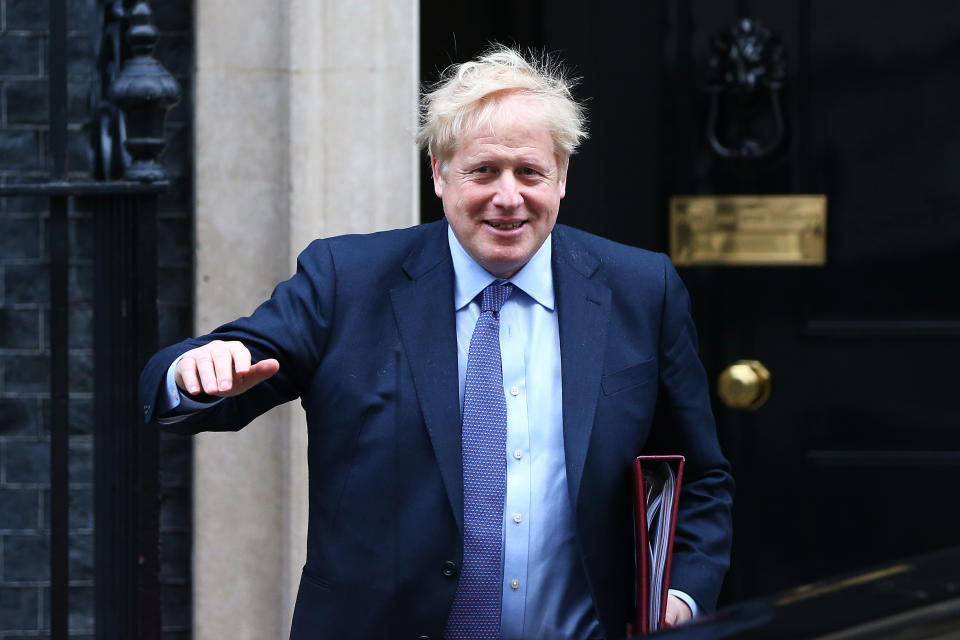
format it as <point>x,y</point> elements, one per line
<point>748,230</point>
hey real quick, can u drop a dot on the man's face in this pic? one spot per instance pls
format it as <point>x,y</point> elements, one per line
<point>502,189</point>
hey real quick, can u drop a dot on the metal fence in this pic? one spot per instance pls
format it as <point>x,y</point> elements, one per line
<point>134,95</point>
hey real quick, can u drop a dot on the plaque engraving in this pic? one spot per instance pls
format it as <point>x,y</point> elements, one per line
<point>782,230</point>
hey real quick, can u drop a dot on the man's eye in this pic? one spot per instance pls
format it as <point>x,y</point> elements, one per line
<point>529,171</point>
<point>482,170</point>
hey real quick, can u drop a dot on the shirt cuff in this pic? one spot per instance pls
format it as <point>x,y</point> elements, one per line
<point>690,602</point>
<point>173,405</point>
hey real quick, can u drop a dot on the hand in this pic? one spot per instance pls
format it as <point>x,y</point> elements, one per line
<point>221,369</point>
<point>677,612</point>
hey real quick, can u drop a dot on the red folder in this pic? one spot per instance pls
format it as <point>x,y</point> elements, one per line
<point>646,573</point>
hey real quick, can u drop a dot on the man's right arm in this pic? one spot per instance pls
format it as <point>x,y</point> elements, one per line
<point>258,361</point>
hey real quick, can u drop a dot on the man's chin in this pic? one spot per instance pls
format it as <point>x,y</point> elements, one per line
<point>504,267</point>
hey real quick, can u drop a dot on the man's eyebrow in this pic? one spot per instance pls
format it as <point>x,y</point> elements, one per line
<point>487,156</point>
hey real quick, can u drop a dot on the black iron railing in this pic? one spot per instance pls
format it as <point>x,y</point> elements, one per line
<point>133,97</point>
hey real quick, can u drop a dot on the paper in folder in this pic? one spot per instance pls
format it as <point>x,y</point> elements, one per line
<point>656,491</point>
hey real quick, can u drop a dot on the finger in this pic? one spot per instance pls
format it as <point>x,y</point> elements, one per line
<point>223,367</point>
<point>208,375</point>
<point>241,357</point>
<point>186,375</point>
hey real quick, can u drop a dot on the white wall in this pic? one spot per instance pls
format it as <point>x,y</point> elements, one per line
<point>306,112</point>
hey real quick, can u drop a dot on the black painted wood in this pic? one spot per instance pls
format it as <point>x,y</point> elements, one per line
<point>854,328</point>
<point>886,459</point>
<point>860,424</point>
<point>862,350</point>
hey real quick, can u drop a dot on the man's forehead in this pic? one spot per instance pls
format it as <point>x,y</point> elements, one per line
<point>512,144</point>
<point>513,132</point>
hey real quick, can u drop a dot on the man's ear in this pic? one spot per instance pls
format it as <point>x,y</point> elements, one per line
<point>562,184</point>
<point>437,176</point>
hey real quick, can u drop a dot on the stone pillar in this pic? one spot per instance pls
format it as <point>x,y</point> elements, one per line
<point>305,112</point>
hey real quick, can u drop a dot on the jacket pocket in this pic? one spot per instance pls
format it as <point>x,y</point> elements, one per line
<point>639,374</point>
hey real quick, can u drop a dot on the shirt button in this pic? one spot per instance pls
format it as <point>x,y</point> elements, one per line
<point>514,390</point>
<point>518,454</point>
<point>518,518</point>
<point>514,584</point>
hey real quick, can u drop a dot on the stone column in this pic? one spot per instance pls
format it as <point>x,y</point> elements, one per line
<point>306,111</point>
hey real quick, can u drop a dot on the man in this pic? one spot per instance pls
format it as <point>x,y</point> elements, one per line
<point>475,391</point>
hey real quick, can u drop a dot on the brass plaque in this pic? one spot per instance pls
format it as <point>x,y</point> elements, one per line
<point>748,230</point>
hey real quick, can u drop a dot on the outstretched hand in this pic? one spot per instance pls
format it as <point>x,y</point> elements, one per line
<point>221,369</point>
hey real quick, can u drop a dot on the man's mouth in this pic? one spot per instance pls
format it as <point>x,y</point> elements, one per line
<point>503,226</point>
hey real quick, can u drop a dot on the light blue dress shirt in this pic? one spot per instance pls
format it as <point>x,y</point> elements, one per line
<point>545,591</point>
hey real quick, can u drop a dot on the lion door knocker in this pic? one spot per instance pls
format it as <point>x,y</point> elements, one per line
<point>746,61</point>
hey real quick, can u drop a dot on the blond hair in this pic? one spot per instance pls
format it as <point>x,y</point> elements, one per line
<point>468,94</point>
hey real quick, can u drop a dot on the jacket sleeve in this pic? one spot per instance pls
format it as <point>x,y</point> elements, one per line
<point>292,326</point>
<point>701,552</point>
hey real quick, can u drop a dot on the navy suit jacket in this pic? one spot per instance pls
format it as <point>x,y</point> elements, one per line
<point>365,336</point>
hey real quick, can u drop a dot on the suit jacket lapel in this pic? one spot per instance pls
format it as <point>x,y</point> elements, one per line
<point>423,307</point>
<point>583,306</point>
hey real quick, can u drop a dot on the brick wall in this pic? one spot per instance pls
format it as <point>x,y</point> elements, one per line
<point>24,321</point>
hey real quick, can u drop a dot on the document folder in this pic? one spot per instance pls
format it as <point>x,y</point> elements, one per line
<point>656,491</point>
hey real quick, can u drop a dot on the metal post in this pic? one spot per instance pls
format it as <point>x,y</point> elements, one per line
<point>59,378</point>
<point>149,452</point>
<point>127,592</point>
<point>127,588</point>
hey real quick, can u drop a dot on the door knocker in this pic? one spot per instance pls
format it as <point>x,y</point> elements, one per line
<point>746,61</point>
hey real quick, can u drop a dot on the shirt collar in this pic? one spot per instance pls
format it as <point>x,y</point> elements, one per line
<point>535,278</point>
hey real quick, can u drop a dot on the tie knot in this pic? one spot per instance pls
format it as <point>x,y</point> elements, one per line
<point>494,296</point>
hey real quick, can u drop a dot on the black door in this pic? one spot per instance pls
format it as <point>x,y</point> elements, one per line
<point>855,458</point>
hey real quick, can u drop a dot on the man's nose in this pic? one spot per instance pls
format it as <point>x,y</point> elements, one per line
<point>507,194</point>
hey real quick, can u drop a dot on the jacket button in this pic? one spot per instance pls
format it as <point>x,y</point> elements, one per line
<point>423,637</point>
<point>449,569</point>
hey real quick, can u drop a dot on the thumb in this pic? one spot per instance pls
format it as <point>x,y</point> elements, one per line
<point>259,372</point>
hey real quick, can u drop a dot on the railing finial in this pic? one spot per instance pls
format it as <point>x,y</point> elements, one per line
<point>144,90</point>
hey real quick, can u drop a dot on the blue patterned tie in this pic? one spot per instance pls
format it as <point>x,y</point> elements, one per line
<point>476,606</point>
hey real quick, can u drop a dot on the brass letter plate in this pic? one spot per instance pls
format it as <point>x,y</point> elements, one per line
<point>748,230</point>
